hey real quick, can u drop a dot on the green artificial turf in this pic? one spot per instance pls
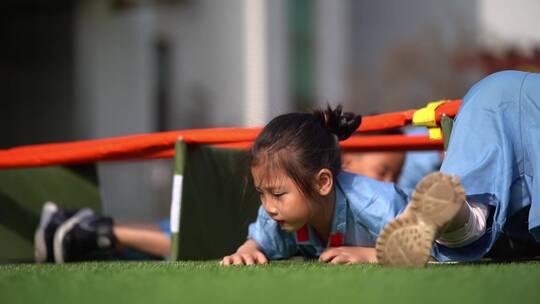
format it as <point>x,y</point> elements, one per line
<point>283,282</point>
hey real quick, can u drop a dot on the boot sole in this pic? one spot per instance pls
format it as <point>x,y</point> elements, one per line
<point>408,239</point>
<point>59,255</point>
<point>40,245</point>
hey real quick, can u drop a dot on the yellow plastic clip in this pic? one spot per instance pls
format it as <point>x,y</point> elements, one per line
<point>435,133</point>
<point>426,117</point>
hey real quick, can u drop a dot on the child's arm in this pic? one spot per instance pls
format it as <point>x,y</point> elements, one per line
<point>247,254</point>
<point>349,255</point>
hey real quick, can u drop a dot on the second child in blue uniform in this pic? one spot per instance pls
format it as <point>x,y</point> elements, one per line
<point>495,151</point>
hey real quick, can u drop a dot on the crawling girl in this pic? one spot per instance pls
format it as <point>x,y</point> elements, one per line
<point>309,206</point>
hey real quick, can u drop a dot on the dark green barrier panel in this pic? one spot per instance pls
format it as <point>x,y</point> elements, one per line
<point>218,202</point>
<point>447,124</point>
<point>22,194</point>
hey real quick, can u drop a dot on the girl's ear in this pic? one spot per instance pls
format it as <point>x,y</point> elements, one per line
<point>324,182</point>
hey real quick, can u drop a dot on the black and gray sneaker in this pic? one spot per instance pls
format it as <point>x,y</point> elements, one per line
<point>85,236</point>
<point>51,218</point>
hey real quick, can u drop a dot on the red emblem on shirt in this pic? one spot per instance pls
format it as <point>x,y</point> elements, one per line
<point>335,240</point>
<point>302,235</point>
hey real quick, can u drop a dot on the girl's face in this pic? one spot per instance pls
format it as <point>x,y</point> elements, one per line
<point>281,198</point>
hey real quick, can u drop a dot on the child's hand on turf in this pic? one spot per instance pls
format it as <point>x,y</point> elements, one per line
<point>247,254</point>
<point>348,255</point>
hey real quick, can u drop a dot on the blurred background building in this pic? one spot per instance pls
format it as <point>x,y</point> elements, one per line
<point>82,69</point>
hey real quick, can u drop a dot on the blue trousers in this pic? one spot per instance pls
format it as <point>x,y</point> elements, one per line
<point>495,150</point>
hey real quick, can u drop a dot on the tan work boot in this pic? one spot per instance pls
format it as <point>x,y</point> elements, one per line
<point>408,239</point>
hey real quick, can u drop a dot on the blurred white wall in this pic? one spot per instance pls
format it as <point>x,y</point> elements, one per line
<point>277,47</point>
<point>113,58</point>
<point>115,98</point>
<point>333,51</point>
<point>402,52</point>
<point>210,45</point>
<point>504,24</point>
<point>207,74</point>
<point>144,66</point>
<point>227,68</point>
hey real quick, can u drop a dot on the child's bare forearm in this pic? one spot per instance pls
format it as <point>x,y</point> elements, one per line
<point>248,246</point>
<point>349,255</point>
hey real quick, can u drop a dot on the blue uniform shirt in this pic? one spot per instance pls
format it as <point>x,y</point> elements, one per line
<point>363,207</point>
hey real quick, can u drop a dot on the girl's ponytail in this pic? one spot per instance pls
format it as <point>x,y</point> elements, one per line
<point>341,124</point>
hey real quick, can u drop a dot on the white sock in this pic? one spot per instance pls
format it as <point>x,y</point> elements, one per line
<point>474,228</point>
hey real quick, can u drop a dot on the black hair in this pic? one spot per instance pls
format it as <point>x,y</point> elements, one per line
<point>304,143</point>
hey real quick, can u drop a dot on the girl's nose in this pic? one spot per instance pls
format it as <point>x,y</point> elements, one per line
<point>269,207</point>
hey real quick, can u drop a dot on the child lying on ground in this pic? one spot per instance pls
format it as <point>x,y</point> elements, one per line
<point>494,150</point>
<point>82,235</point>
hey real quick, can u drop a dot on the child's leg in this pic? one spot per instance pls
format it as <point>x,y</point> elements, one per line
<point>75,235</point>
<point>466,227</point>
<point>146,238</point>
<point>437,209</point>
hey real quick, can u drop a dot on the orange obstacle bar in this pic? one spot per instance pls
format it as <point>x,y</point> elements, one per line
<point>390,143</point>
<point>370,143</point>
<point>160,145</point>
<point>152,145</point>
<point>449,108</point>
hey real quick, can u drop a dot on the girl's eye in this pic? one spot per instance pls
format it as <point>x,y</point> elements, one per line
<point>278,194</point>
